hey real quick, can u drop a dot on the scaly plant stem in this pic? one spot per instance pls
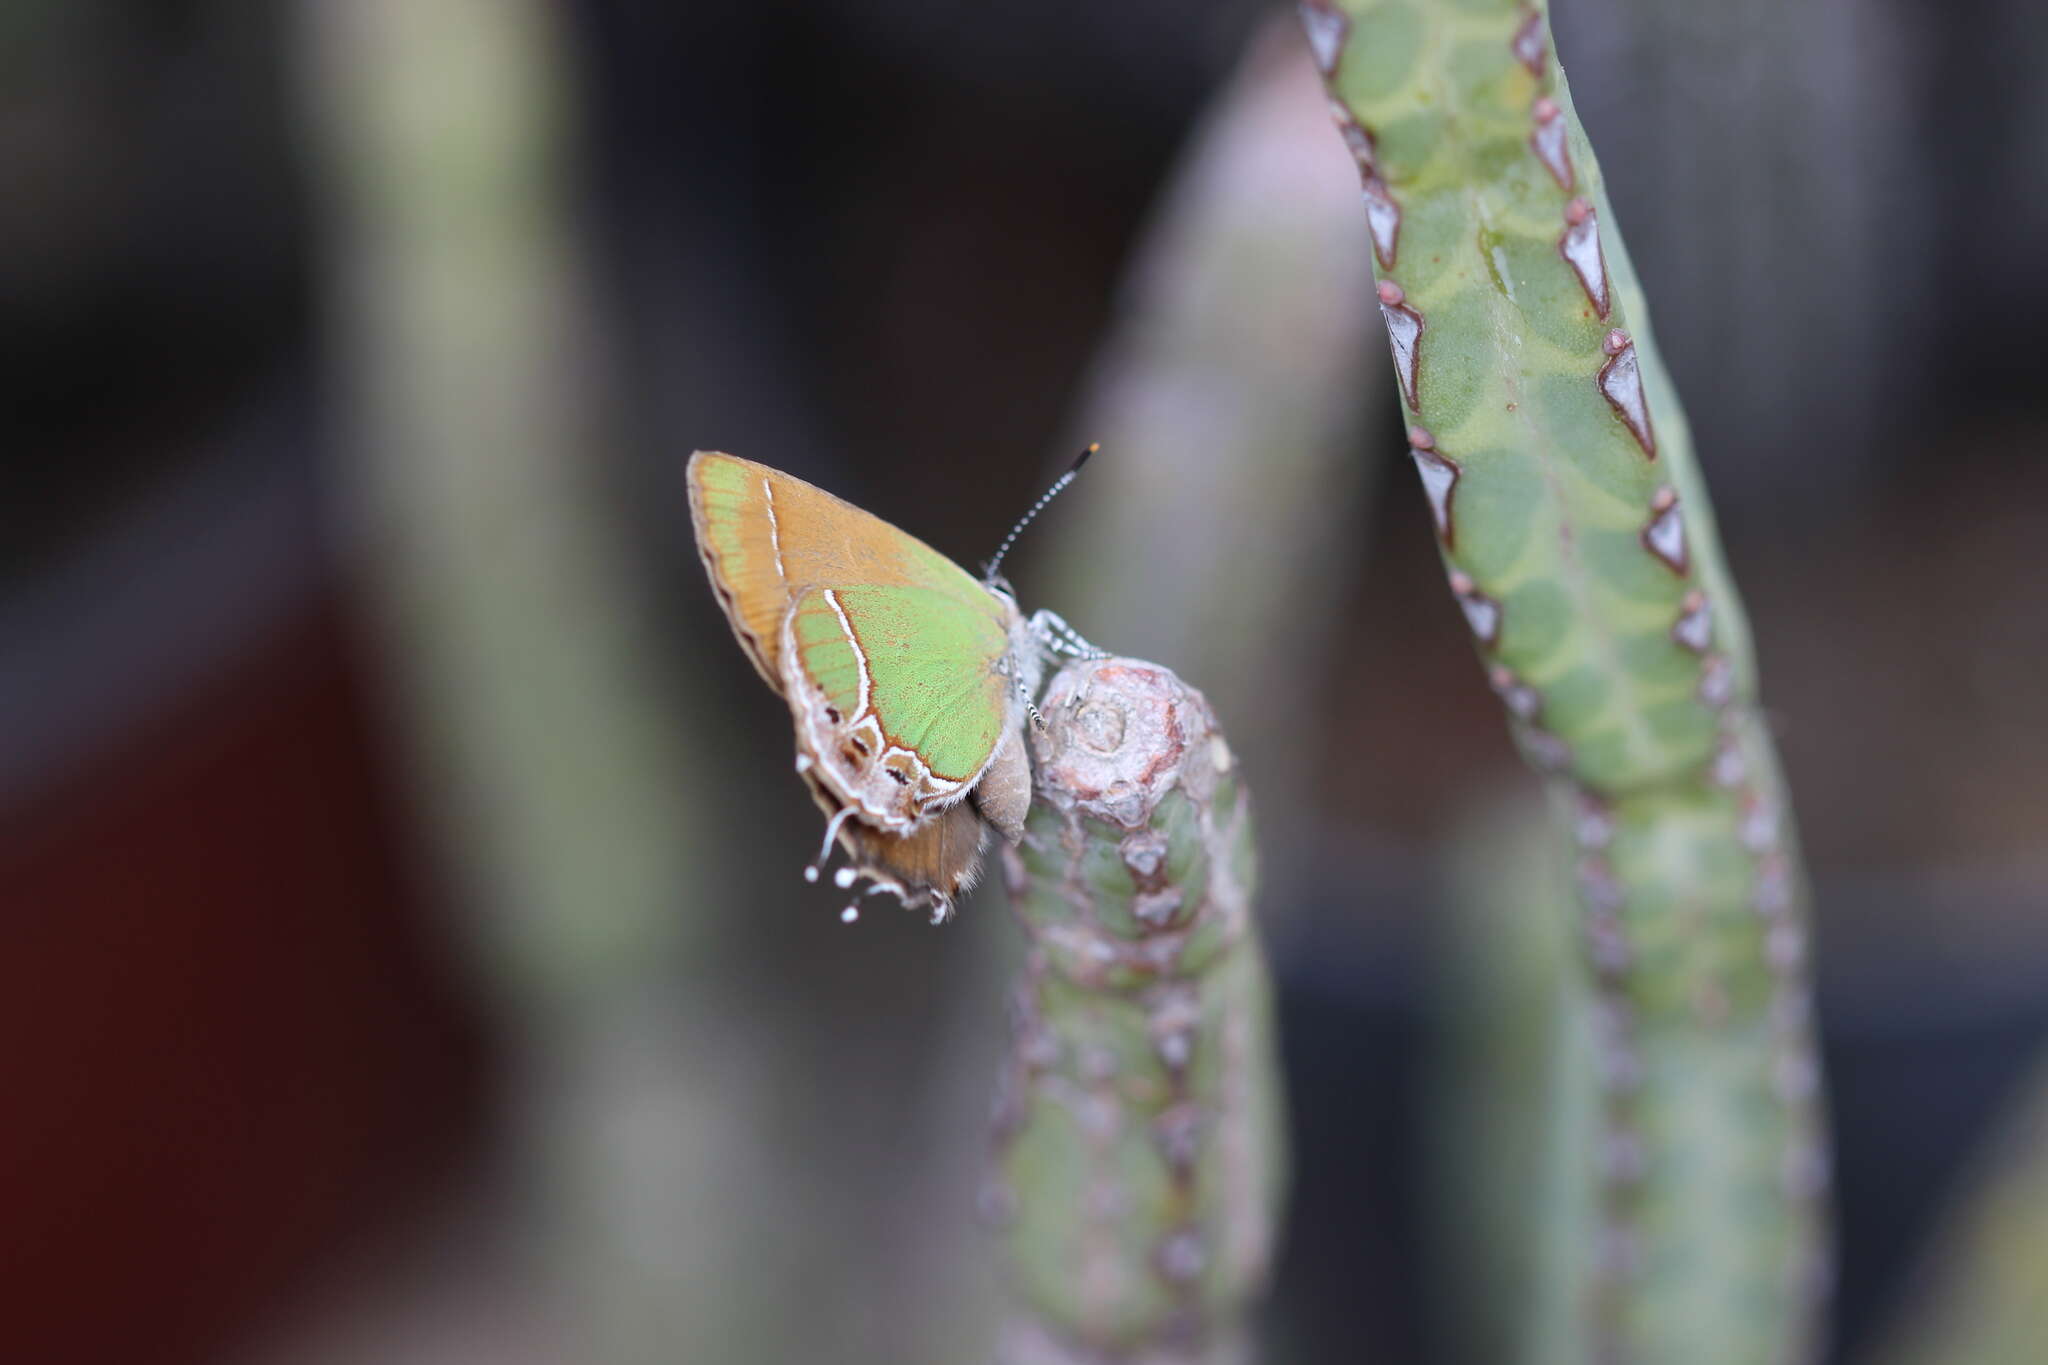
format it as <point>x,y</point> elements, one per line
<point>1139,1130</point>
<point>1581,549</point>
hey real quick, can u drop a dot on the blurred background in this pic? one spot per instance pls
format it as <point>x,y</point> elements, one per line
<point>405,956</point>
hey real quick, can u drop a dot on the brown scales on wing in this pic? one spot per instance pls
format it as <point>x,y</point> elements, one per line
<point>943,854</point>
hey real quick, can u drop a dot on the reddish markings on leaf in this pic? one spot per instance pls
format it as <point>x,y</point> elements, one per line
<point>1523,701</point>
<point>1621,383</point>
<point>1758,828</point>
<point>1664,534</point>
<point>1545,750</point>
<point>1358,138</point>
<point>1326,26</point>
<point>1482,613</point>
<point>1383,218</point>
<point>1717,682</point>
<point>1528,44</point>
<point>1593,829</point>
<point>1730,768</point>
<point>1382,213</point>
<point>1694,628</point>
<point>1404,334</point>
<point>1439,482</point>
<point>1580,247</point>
<point>1549,143</point>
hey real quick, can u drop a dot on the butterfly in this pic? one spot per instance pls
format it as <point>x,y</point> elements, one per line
<point>909,680</point>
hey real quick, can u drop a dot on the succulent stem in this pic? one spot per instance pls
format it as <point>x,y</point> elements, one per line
<point>1139,1136</point>
<point>1581,548</point>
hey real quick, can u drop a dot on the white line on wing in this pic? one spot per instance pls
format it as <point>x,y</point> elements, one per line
<point>774,529</point>
<point>853,642</point>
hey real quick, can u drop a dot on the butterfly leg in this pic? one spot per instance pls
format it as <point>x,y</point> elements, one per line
<point>1052,632</point>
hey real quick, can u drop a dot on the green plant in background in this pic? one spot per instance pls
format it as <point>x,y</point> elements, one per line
<point>1139,1129</point>
<point>559,760</point>
<point>1982,1298</point>
<point>1226,396</point>
<point>1581,550</point>
<point>1512,1099</point>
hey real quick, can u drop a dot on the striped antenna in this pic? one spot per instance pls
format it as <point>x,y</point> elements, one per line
<point>1058,485</point>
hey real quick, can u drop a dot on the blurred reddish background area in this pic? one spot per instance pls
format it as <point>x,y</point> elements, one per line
<point>237,1041</point>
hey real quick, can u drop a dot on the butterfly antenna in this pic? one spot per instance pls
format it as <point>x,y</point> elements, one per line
<point>1058,486</point>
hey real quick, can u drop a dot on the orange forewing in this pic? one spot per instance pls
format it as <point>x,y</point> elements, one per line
<point>766,536</point>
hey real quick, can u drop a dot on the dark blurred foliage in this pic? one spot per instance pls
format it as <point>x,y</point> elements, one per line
<point>875,242</point>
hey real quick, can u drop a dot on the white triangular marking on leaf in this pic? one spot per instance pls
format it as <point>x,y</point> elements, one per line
<point>1695,627</point>
<point>1404,333</point>
<point>1383,217</point>
<point>1665,536</point>
<point>1550,147</point>
<point>1581,246</point>
<point>1621,380</point>
<point>1439,483</point>
<point>1326,29</point>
